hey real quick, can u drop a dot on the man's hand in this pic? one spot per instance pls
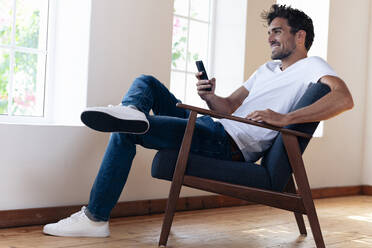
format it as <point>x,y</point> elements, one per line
<point>270,117</point>
<point>224,105</point>
<point>202,85</point>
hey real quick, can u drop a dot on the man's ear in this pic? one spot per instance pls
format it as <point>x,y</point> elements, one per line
<point>301,37</point>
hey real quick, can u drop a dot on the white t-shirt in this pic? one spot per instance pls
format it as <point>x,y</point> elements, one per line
<point>271,88</point>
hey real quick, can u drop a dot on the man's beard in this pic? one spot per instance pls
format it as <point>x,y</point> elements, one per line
<point>283,54</point>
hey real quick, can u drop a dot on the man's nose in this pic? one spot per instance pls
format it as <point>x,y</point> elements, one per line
<point>270,39</point>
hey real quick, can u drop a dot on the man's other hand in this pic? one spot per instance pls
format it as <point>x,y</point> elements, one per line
<point>270,117</point>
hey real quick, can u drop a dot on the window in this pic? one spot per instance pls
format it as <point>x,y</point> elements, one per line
<point>212,31</point>
<point>191,42</point>
<point>23,56</point>
<point>42,61</point>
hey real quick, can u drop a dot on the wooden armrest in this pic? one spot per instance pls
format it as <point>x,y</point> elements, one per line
<point>250,122</point>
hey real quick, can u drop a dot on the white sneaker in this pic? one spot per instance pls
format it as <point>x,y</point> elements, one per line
<point>78,225</point>
<point>117,118</point>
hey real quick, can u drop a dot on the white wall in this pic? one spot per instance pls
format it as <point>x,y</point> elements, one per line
<point>367,163</point>
<point>336,159</point>
<point>47,165</point>
<point>127,38</point>
<point>68,61</point>
<point>229,47</point>
<point>56,165</point>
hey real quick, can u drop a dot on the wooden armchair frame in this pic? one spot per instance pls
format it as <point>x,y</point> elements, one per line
<point>300,203</point>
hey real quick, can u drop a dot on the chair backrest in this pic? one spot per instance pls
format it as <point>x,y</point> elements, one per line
<point>275,159</point>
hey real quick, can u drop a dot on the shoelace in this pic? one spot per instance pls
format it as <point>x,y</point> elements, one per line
<point>110,105</point>
<point>73,217</point>
<point>120,104</point>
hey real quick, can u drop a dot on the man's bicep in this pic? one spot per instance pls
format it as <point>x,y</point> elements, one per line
<point>335,83</point>
<point>237,97</point>
<point>339,87</point>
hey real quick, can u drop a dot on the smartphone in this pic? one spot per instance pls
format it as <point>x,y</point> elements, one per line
<point>204,76</point>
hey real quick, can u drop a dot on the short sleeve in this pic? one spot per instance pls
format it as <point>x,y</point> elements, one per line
<point>249,83</point>
<point>321,68</point>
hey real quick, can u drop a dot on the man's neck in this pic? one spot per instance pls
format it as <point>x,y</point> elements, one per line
<point>290,60</point>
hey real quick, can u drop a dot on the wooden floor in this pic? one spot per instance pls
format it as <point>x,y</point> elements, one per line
<point>345,222</point>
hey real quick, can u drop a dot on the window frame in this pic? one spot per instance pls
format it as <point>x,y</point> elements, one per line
<point>207,64</point>
<point>45,53</point>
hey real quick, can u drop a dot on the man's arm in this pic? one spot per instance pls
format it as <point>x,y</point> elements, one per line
<point>332,104</point>
<point>225,105</point>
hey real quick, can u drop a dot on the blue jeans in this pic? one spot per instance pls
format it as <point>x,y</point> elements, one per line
<point>167,127</point>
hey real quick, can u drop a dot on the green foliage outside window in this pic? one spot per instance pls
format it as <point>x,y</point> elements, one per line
<point>4,75</point>
<point>25,64</point>
<point>179,54</point>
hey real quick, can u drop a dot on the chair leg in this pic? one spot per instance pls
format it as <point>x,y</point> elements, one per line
<point>291,188</point>
<point>169,214</point>
<point>295,158</point>
<point>177,180</point>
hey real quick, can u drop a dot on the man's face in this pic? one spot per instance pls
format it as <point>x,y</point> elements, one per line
<point>281,40</point>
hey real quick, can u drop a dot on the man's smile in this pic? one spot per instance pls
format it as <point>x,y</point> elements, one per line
<point>274,45</point>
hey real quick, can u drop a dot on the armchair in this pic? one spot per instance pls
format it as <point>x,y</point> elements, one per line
<point>270,183</point>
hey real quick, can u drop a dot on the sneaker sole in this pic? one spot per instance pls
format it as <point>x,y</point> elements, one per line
<point>61,234</point>
<point>103,122</point>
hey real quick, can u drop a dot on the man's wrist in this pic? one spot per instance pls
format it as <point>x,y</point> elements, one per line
<point>289,119</point>
<point>209,98</point>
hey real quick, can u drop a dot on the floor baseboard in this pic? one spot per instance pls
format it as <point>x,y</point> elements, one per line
<point>366,190</point>
<point>40,216</point>
<point>337,191</point>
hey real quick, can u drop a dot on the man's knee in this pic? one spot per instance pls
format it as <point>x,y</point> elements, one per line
<point>150,80</point>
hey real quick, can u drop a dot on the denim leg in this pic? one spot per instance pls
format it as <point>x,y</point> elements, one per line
<point>166,132</point>
<point>146,93</point>
<point>111,177</point>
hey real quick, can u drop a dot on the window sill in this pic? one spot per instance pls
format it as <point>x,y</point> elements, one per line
<point>36,121</point>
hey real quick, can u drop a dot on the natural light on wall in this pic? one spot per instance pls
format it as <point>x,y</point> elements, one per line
<point>318,10</point>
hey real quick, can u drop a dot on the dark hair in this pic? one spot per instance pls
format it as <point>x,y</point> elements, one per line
<point>297,20</point>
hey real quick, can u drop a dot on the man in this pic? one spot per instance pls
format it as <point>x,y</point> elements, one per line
<point>268,96</point>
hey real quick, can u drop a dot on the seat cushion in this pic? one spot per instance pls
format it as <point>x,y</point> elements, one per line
<point>274,171</point>
<point>243,173</point>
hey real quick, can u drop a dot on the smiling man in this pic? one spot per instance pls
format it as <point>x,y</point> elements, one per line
<point>275,87</point>
<point>269,96</point>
